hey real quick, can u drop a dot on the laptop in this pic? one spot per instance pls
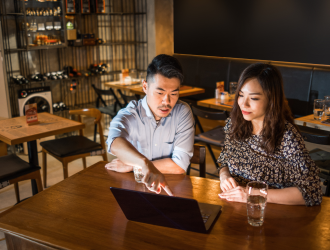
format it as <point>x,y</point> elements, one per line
<point>167,211</point>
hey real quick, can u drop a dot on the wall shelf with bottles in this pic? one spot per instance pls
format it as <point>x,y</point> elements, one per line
<point>122,29</point>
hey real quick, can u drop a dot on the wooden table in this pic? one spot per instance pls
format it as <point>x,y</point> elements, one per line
<point>15,130</point>
<point>310,122</point>
<point>184,91</point>
<point>215,104</point>
<point>137,88</point>
<point>124,85</point>
<point>81,213</point>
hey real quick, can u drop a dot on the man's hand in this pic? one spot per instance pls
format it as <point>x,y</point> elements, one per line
<point>154,179</point>
<point>226,181</point>
<point>118,166</point>
<point>237,194</point>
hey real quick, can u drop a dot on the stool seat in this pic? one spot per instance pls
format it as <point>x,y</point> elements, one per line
<point>214,136</point>
<point>12,167</point>
<point>69,146</point>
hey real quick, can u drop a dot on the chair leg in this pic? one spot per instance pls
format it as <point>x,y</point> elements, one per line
<point>44,167</point>
<point>212,155</point>
<point>84,162</point>
<point>17,192</point>
<point>65,170</point>
<point>38,181</point>
<point>327,191</point>
<point>95,130</point>
<point>188,169</point>
<point>105,157</point>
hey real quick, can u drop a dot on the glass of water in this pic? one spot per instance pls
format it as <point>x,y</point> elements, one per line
<point>256,202</point>
<point>138,175</point>
<point>318,109</point>
<point>327,107</point>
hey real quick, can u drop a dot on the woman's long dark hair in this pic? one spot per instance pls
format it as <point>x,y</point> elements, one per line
<point>277,111</point>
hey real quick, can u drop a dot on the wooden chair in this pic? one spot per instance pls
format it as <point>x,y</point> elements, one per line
<point>215,136</point>
<point>74,147</point>
<point>13,170</point>
<point>198,158</point>
<point>126,98</point>
<point>110,110</point>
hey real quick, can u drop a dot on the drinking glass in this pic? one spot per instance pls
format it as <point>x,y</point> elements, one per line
<point>327,107</point>
<point>318,109</point>
<point>256,202</point>
<point>232,87</point>
<point>138,175</point>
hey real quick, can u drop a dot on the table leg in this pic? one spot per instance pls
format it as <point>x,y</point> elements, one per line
<point>33,159</point>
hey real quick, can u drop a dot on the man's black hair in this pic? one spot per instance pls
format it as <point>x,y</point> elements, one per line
<point>165,65</point>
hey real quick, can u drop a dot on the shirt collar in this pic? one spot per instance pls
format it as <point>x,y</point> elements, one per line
<point>148,112</point>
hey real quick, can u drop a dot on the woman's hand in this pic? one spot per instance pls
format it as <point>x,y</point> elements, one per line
<point>226,181</point>
<point>237,194</point>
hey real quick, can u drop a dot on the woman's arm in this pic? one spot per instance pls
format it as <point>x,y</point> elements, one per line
<point>286,196</point>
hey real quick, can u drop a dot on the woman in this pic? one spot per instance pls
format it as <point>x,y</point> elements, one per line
<point>263,144</point>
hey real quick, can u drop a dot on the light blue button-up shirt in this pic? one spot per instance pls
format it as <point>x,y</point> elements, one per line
<point>173,137</point>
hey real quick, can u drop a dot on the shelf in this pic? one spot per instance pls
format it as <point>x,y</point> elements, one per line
<point>68,79</point>
<point>13,14</point>
<point>120,43</point>
<point>43,16</point>
<point>108,14</point>
<point>36,48</point>
<point>41,31</point>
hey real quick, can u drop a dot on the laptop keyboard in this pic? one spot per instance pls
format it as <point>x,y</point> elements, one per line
<point>205,217</point>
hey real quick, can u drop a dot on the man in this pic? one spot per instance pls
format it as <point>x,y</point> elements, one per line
<point>156,132</point>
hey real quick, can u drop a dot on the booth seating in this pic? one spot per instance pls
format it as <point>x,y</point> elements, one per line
<point>302,83</point>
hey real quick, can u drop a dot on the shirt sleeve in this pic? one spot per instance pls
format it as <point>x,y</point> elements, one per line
<point>304,172</point>
<point>184,138</point>
<point>120,126</point>
<point>223,157</point>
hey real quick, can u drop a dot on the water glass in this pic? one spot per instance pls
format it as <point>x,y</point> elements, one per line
<point>318,109</point>
<point>256,202</point>
<point>327,107</point>
<point>138,175</point>
<point>232,87</point>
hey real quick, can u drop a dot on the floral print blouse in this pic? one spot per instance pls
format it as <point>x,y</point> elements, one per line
<point>289,166</point>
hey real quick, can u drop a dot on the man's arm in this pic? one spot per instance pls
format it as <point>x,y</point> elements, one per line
<point>126,152</point>
<point>168,166</point>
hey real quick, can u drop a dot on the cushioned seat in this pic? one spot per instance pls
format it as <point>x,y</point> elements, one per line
<point>11,166</point>
<point>72,145</point>
<point>214,136</point>
<point>13,169</point>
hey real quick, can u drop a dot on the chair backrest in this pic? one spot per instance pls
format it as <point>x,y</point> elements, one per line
<point>208,114</point>
<point>126,98</point>
<point>91,112</point>
<point>199,157</point>
<point>108,92</point>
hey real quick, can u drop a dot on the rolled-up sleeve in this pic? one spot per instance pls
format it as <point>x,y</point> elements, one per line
<point>120,126</point>
<point>184,139</point>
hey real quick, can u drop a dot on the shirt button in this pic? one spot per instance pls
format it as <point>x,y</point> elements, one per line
<point>156,145</point>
